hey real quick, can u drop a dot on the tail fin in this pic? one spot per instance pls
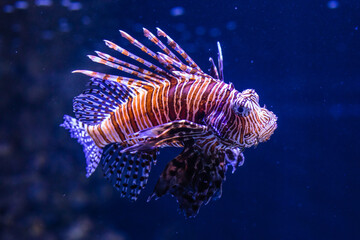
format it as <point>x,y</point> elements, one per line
<point>92,152</point>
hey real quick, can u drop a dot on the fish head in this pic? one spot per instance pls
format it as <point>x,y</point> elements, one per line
<point>249,124</point>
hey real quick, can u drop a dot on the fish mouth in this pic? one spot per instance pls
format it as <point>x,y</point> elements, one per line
<point>269,129</point>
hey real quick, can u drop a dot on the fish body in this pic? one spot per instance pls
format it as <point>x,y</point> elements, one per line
<point>181,99</point>
<point>122,122</point>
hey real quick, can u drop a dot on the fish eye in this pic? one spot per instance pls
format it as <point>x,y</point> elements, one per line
<point>241,110</point>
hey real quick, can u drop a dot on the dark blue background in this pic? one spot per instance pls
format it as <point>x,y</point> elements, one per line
<point>303,59</point>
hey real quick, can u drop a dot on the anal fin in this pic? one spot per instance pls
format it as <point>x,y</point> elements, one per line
<point>128,173</point>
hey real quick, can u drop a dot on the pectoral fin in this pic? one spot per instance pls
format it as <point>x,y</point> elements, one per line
<point>165,135</point>
<point>234,157</point>
<point>193,178</point>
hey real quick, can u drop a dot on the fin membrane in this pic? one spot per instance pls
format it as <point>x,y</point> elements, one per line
<point>193,179</point>
<point>234,157</point>
<point>100,99</point>
<point>166,134</point>
<point>92,152</point>
<point>128,173</point>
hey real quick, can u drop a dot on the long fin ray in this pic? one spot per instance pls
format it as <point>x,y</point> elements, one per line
<point>157,75</point>
<point>220,62</point>
<point>162,46</point>
<point>136,84</point>
<point>145,77</point>
<point>213,70</point>
<point>166,134</point>
<point>178,49</point>
<point>136,58</point>
<point>129,65</point>
<point>178,64</point>
<point>143,48</point>
<point>138,44</point>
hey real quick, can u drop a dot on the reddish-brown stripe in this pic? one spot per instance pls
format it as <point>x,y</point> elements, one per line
<point>92,133</point>
<point>242,130</point>
<point>200,114</point>
<point>141,109</point>
<point>161,97</point>
<point>157,111</point>
<point>116,126</point>
<point>178,95</point>
<point>171,99</point>
<point>102,133</point>
<point>132,118</point>
<point>185,92</point>
<point>123,120</point>
<point>148,106</point>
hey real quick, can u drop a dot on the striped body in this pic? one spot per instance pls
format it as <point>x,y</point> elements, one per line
<point>122,122</point>
<point>186,98</point>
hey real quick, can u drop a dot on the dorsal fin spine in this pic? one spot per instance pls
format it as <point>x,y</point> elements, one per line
<point>129,65</point>
<point>178,49</point>
<point>138,44</point>
<point>136,58</point>
<point>124,69</point>
<point>213,69</point>
<point>135,84</point>
<point>162,46</point>
<point>220,62</point>
<point>178,64</point>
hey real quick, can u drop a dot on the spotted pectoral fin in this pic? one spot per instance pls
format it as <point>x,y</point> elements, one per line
<point>234,157</point>
<point>193,178</point>
<point>127,172</point>
<point>166,134</point>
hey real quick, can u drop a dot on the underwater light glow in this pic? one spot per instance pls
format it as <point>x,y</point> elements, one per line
<point>200,30</point>
<point>47,35</point>
<point>21,5</point>
<point>333,4</point>
<point>8,8</point>
<point>231,25</point>
<point>177,11</point>
<point>75,6</point>
<point>43,3</point>
<point>64,25</point>
<point>65,3</point>
<point>215,32</point>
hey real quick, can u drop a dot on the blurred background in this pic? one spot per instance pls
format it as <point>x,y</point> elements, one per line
<point>302,58</point>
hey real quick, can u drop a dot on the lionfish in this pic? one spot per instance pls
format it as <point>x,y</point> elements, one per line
<point>121,122</point>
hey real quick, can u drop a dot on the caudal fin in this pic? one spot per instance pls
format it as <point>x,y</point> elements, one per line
<point>92,152</point>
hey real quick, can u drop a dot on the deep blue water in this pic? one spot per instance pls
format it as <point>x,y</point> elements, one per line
<point>303,59</point>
